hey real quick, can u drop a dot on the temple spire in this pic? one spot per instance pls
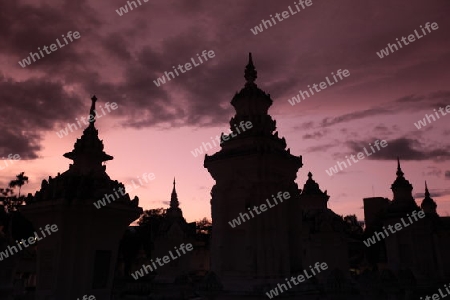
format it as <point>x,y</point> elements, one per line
<point>427,193</point>
<point>88,154</point>
<point>174,197</point>
<point>402,188</point>
<point>92,111</point>
<point>428,205</point>
<point>399,169</point>
<point>174,211</point>
<point>250,71</point>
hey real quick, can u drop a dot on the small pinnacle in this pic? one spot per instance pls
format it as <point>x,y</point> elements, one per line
<point>399,169</point>
<point>92,111</point>
<point>427,193</point>
<point>250,71</point>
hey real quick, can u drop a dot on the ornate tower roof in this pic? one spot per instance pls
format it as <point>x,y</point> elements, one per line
<point>312,188</point>
<point>252,101</point>
<point>250,72</point>
<point>401,187</point>
<point>86,179</point>
<point>428,204</point>
<point>88,154</point>
<point>174,197</point>
<point>252,105</point>
<point>312,197</point>
<point>174,209</point>
<point>403,201</point>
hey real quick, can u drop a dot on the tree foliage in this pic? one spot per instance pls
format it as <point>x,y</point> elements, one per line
<point>20,180</point>
<point>354,227</point>
<point>11,202</point>
<point>203,226</point>
<point>152,216</point>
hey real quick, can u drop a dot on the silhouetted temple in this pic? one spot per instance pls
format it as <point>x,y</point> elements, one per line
<point>155,238</point>
<point>80,258</point>
<point>249,169</point>
<point>416,254</point>
<point>173,231</point>
<point>96,252</point>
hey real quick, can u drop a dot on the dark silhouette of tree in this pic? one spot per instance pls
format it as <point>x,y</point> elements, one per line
<point>353,225</point>
<point>3,219</point>
<point>20,180</point>
<point>13,224</point>
<point>203,226</point>
<point>149,223</point>
<point>6,192</point>
<point>129,247</point>
<point>356,249</point>
<point>152,217</point>
<point>9,201</point>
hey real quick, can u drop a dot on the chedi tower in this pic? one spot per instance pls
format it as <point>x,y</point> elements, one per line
<point>80,258</point>
<point>251,168</point>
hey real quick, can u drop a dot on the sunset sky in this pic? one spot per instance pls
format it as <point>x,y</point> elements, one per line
<point>154,129</point>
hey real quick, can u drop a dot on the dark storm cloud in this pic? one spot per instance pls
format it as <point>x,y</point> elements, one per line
<point>382,130</point>
<point>28,108</point>
<point>24,28</point>
<point>410,99</point>
<point>320,148</point>
<point>26,144</point>
<point>117,58</point>
<point>432,171</point>
<point>315,134</point>
<point>440,95</point>
<point>405,148</point>
<point>433,193</point>
<point>115,45</point>
<point>408,103</point>
<point>435,99</point>
<point>357,115</point>
<point>304,126</point>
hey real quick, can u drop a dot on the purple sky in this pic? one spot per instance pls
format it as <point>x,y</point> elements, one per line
<point>155,128</point>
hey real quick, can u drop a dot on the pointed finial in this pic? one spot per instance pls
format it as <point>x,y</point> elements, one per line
<point>92,111</point>
<point>427,193</point>
<point>173,190</point>
<point>174,198</point>
<point>250,71</point>
<point>399,169</point>
<point>309,175</point>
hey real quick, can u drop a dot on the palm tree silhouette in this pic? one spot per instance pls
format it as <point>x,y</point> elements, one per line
<point>20,180</point>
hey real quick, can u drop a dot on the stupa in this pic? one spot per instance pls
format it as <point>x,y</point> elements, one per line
<point>80,258</point>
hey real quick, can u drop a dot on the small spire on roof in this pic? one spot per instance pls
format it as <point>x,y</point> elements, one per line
<point>399,169</point>
<point>92,111</point>
<point>250,71</point>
